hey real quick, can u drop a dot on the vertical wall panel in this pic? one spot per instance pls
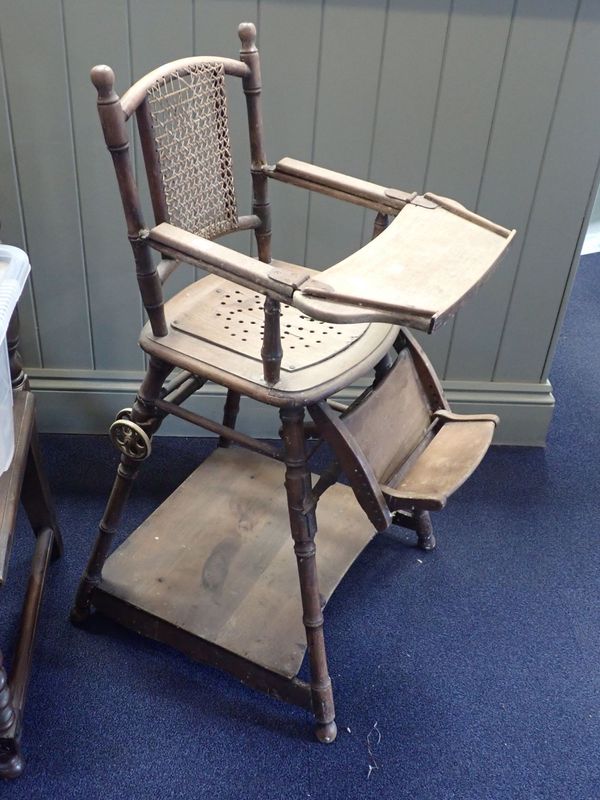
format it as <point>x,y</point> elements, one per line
<point>351,58</point>
<point>493,102</point>
<point>534,64</point>
<point>554,229</point>
<point>33,45</point>
<point>289,50</point>
<point>413,56</point>
<point>410,76</point>
<point>11,222</point>
<point>97,37</point>
<point>475,48</point>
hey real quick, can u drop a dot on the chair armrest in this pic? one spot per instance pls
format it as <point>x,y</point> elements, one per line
<point>336,184</point>
<point>279,281</point>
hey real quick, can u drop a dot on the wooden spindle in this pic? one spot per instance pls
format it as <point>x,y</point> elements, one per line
<point>271,351</point>
<point>18,378</point>
<point>303,526</point>
<point>380,224</point>
<point>114,127</point>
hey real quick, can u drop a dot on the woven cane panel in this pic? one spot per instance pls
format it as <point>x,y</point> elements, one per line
<point>191,130</point>
<point>233,318</point>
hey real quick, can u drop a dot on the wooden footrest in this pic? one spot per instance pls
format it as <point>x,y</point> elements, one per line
<point>449,459</point>
<point>216,559</point>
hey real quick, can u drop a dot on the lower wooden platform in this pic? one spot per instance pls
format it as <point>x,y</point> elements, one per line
<point>215,561</point>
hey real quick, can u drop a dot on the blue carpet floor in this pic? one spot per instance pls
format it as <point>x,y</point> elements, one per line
<point>478,664</point>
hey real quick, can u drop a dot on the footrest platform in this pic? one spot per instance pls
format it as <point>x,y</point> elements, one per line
<point>216,561</point>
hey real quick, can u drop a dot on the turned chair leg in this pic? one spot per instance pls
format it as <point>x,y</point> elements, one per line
<point>425,537</point>
<point>126,473</point>
<point>230,412</point>
<point>303,527</point>
<point>11,760</point>
<point>131,439</point>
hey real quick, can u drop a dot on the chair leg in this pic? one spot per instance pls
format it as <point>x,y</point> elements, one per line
<point>36,498</point>
<point>126,473</point>
<point>133,452</point>
<point>11,760</point>
<point>230,412</point>
<point>425,537</point>
<point>303,526</point>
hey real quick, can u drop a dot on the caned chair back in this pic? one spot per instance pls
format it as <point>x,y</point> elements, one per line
<point>183,122</point>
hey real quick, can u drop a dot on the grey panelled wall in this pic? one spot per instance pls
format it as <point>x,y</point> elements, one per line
<point>493,102</point>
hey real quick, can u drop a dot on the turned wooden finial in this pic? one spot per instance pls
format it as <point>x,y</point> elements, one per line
<point>103,79</point>
<point>247,34</point>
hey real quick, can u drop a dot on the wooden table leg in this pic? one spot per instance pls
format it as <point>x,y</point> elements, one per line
<point>11,760</point>
<point>36,498</point>
<point>25,480</point>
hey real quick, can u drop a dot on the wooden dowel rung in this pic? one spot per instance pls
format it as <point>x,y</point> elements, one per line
<point>176,381</point>
<point>166,267</point>
<point>337,406</point>
<point>215,427</point>
<point>248,222</point>
<point>180,393</point>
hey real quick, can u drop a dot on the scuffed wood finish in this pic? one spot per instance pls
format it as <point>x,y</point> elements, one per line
<point>303,524</point>
<point>336,184</point>
<point>219,564</point>
<point>289,690</point>
<point>417,271</point>
<point>426,263</point>
<point>353,462</point>
<point>117,141</point>
<point>137,93</point>
<point>232,318</point>
<point>24,481</point>
<point>330,363</point>
<point>398,403</point>
<point>217,258</point>
<point>400,445</point>
<point>453,454</point>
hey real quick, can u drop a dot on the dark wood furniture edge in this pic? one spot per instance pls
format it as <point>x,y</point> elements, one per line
<point>12,480</point>
<point>25,482</point>
<point>292,691</point>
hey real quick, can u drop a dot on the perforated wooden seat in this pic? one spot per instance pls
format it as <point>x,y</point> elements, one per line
<point>216,329</point>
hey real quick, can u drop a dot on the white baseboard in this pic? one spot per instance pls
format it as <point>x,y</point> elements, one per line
<point>79,401</point>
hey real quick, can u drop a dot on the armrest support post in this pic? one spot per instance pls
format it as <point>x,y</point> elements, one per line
<point>380,224</point>
<point>271,351</point>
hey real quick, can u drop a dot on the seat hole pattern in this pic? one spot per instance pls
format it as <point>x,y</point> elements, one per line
<point>234,318</point>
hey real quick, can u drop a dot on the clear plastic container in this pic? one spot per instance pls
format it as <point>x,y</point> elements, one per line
<point>14,269</point>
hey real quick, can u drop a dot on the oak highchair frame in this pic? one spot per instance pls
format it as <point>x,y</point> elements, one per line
<point>191,212</point>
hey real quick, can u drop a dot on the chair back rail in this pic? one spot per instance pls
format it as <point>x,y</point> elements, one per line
<point>181,114</point>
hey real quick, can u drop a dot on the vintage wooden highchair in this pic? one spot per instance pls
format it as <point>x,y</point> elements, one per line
<point>210,571</point>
